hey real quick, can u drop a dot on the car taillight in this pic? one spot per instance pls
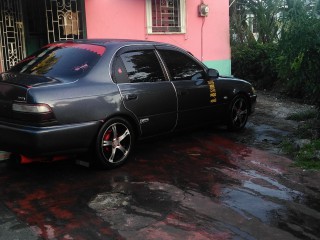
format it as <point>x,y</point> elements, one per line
<point>38,113</point>
<point>31,108</point>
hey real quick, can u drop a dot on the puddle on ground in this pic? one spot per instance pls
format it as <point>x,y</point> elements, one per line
<point>205,187</point>
<point>267,133</point>
<point>155,208</point>
<point>234,191</point>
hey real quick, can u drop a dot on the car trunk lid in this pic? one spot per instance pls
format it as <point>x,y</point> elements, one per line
<point>14,88</point>
<point>26,80</point>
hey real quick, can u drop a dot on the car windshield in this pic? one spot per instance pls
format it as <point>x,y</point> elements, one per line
<point>61,60</point>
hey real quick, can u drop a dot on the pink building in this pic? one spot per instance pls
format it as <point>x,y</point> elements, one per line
<point>199,26</point>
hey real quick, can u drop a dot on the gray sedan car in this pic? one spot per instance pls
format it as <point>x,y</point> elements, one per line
<point>100,96</point>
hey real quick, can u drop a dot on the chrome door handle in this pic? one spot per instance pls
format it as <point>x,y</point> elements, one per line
<point>131,97</point>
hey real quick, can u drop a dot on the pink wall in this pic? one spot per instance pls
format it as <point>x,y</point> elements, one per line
<point>127,19</point>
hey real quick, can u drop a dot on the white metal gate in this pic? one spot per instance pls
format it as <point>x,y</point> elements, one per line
<point>12,48</point>
<point>64,19</point>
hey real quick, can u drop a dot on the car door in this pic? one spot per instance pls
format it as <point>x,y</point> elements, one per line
<point>196,93</point>
<point>145,90</point>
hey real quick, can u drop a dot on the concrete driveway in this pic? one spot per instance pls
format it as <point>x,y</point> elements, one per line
<point>202,184</point>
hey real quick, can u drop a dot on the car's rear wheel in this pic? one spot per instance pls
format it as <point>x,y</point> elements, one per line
<point>238,113</point>
<point>114,143</point>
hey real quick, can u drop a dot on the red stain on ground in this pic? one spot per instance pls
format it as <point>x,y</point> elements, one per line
<point>54,202</point>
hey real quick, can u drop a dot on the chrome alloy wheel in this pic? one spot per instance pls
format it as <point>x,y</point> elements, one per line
<point>116,143</point>
<point>239,113</point>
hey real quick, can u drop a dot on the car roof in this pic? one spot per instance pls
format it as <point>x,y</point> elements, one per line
<point>120,42</point>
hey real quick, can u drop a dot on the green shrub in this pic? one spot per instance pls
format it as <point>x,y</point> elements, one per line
<point>254,62</point>
<point>299,53</point>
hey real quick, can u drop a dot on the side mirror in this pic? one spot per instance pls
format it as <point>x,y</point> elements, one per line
<point>213,73</point>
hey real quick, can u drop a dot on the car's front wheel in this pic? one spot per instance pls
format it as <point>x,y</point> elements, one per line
<point>114,143</point>
<point>238,113</point>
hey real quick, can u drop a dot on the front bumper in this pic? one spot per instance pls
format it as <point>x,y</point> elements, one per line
<point>253,102</point>
<point>42,141</point>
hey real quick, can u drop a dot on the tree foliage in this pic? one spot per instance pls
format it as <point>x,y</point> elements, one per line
<point>255,16</point>
<point>267,19</point>
<point>292,28</point>
<point>299,56</point>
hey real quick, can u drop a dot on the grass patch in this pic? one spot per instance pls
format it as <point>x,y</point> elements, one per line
<point>287,146</point>
<point>307,156</point>
<point>303,116</point>
<point>305,130</point>
<point>315,165</point>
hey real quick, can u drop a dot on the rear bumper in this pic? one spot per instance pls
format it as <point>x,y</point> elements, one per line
<point>42,141</point>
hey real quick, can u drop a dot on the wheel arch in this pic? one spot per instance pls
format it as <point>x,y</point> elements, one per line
<point>231,119</point>
<point>134,123</point>
<point>245,95</point>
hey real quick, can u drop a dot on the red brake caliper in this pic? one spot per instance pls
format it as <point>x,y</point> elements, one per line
<point>107,137</point>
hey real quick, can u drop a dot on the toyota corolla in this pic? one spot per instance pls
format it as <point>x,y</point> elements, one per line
<point>100,96</point>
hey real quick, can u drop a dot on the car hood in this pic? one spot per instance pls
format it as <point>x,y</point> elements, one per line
<point>27,80</point>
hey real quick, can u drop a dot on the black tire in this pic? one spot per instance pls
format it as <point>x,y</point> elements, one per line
<point>238,113</point>
<point>114,143</point>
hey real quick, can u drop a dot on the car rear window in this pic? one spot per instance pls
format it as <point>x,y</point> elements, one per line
<point>61,60</point>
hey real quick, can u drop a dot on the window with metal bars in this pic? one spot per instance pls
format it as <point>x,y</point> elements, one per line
<point>166,16</point>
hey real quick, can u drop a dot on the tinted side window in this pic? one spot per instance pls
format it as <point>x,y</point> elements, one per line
<point>119,72</point>
<point>181,66</point>
<point>142,66</point>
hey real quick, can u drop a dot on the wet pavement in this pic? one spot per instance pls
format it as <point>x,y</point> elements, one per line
<point>202,184</point>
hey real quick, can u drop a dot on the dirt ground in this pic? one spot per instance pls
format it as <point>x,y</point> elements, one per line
<point>268,127</point>
<point>203,184</point>
<point>269,123</point>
